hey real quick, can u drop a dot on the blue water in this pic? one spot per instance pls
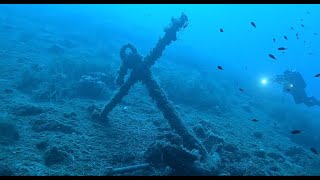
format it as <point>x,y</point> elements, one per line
<point>70,42</point>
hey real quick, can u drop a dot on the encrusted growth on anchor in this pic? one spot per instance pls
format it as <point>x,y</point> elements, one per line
<point>141,72</point>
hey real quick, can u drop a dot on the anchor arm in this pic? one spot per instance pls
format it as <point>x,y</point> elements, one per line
<point>168,38</point>
<point>123,91</point>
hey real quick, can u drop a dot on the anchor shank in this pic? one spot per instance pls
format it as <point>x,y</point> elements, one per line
<point>169,112</point>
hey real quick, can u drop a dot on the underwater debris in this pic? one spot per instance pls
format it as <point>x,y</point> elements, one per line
<point>274,39</point>
<point>285,37</point>
<point>220,67</point>
<point>296,131</point>
<point>317,75</point>
<point>169,151</point>
<point>128,169</point>
<point>292,28</point>
<point>240,89</point>
<point>171,137</point>
<point>221,30</point>
<point>302,25</point>
<point>253,24</point>
<point>272,56</point>
<point>163,153</point>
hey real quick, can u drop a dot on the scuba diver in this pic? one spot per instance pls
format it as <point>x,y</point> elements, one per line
<point>294,84</point>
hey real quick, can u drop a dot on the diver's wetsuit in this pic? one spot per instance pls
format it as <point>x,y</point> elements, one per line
<point>294,84</point>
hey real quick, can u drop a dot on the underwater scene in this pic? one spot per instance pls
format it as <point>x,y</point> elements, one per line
<point>159,90</point>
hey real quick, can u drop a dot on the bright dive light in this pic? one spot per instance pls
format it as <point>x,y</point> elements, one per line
<point>264,81</point>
